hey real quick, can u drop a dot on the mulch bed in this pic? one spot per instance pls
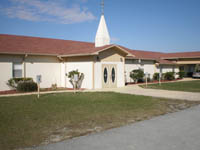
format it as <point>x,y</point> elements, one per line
<point>8,92</point>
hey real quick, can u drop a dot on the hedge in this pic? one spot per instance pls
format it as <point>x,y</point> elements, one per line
<point>13,82</point>
<point>26,86</point>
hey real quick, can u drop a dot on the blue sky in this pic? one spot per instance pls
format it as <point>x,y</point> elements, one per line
<point>156,25</point>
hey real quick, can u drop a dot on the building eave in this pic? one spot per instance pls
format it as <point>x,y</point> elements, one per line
<point>24,53</point>
<point>140,58</point>
<point>179,57</point>
<point>77,55</point>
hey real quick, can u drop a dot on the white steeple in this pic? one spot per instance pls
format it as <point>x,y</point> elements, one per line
<point>102,35</point>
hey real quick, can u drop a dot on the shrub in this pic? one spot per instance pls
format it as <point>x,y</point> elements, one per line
<point>13,82</point>
<point>54,86</point>
<point>169,76</point>
<point>26,86</point>
<point>181,74</point>
<point>137,75</point>
<point>156,76</point>
<point>22,79</point>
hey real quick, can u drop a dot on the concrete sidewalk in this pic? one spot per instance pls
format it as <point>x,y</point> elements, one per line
<point>176,131</point>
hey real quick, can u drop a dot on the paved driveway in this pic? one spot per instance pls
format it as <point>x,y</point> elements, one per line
<point>136,90</point>
<point>176,131</point>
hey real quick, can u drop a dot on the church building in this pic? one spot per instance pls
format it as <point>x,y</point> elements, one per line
<point>104,65</point>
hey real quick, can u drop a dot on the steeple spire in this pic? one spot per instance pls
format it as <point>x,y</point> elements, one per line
<point>102,35</point>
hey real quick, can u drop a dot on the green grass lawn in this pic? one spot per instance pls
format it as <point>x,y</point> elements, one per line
<point>26,121</point>
<point>189,86</point>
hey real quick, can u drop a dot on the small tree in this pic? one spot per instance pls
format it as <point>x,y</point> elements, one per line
<point>137,75</point>
<point>78,83</point>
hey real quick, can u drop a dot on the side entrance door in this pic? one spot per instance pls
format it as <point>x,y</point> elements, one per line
<point>109,75</point>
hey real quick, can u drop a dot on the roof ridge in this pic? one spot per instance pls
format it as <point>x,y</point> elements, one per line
<point>148,51</point>
<point>48,38</point>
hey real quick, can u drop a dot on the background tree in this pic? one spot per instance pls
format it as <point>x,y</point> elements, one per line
<point>137,75</point>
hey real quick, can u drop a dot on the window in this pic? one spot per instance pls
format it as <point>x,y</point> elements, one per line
<point>181,68</point>
<point>17,70</point>
<point>105,75</point>
<point>113,75</point>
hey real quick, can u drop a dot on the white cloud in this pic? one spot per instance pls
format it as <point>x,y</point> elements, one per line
<point>38,10</point>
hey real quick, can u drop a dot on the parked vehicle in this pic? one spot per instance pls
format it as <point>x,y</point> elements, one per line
<point>196,74</point>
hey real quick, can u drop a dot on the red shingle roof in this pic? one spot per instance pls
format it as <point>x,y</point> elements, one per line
<point>162,58</point>
<point>181,55</point>
<point>13,44</point>
<point>163,61</point>
<point>139,54</point>
<point>148,55</point>
<point>46,46</point>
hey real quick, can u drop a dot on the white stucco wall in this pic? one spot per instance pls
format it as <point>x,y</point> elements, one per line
<point>98,74</point>
<point>6,66</point>
<point>146,65</point>
<point>84,67</point>
<point>168,68</point>
<point>5,75</point>
<point>53,71</point>
<point>48,67</point>
<point>63,74</point>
